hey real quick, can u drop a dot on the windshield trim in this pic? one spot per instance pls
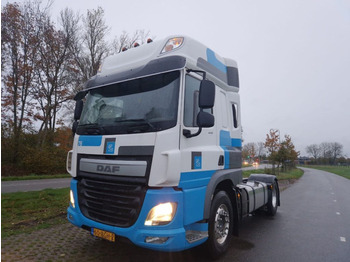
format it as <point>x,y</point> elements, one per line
<point>142,124</point>
<point>154,67</point>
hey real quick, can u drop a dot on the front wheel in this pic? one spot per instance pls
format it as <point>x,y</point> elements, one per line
<point>220,225</point>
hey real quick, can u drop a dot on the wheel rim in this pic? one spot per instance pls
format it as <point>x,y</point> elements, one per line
<point>222,224</point>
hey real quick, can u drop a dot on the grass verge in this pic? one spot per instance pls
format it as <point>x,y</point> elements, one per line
<point>33,177</point>
<point>338,170</point>
<point>25,212</point>
<point>292,174</point>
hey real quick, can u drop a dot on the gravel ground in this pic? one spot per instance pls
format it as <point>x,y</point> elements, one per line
<point>69,243</point>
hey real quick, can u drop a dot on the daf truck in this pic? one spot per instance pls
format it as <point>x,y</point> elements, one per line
<point>156,158</point>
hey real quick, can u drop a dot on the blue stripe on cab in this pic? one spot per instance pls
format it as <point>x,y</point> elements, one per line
<point>225,138</point>
<point>236,142</point>
<point>211,58</point>
<point>225,142</point>
<point>90,141</point>
<point>195,179</point>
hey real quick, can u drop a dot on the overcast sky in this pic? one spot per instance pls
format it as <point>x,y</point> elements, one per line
<point>293,56</point>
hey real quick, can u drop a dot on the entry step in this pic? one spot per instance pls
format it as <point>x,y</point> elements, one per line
<point>193,236</point>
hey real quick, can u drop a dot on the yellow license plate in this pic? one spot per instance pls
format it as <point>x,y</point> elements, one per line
<point>103,234</point>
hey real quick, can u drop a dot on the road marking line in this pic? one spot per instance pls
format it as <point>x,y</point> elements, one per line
<point>332,193</point>
<point>338,213</point>
<point>335,200</point>
<point>342,239</point>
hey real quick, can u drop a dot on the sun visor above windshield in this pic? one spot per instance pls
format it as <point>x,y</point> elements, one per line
<point>156,66</point>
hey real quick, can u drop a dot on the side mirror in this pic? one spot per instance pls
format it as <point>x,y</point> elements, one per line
<point>206,94</point>
<point>79,104</point>
<point>205,119</point>
<point>206,100</point>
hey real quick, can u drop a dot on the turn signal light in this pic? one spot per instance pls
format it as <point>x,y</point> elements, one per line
<point>172,44</point>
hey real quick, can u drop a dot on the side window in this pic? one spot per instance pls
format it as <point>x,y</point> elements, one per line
<point>235,115</point>
<point>191,101</point>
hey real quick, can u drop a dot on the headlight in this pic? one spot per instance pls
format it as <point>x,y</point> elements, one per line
<point>72,202</point>
<point>161,214</point>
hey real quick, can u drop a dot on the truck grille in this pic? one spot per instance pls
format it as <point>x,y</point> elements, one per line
<point>113,202</point>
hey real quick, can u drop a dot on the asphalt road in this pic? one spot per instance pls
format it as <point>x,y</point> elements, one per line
<point>312,224</point>
<point>33,185</point>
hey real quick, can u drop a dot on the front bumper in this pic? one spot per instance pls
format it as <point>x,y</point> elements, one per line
<point>175,231</point>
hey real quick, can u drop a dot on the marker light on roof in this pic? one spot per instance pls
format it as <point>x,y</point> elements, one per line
<point>172,44</point>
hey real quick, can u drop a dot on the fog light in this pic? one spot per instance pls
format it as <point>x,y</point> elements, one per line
<point>156,240</point>
<point>161,214</point>
<point>72,202</point>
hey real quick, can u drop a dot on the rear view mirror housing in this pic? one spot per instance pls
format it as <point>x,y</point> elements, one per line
<point>206,101</point>
<point>206,94</point>
<point>205,119</point>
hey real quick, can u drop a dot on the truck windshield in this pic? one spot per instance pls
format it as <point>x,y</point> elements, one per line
<point>142,105</point>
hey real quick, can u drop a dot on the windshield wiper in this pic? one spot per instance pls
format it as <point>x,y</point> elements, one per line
<point>89,125</point>
<point>92,129</point>
<point>138,121</point>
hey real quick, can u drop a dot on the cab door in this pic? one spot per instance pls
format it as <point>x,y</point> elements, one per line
<point>199,153</point>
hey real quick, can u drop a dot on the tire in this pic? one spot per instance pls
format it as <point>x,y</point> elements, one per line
<point>220,225</point>
<point>272,202</point>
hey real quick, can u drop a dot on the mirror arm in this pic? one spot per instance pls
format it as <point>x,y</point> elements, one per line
<point>187,133</point>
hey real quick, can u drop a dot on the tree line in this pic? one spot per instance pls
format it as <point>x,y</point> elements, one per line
<point>43,65</point>
<point>327,153</point>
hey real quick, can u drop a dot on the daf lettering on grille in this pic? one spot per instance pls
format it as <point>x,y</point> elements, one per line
<point>108,168</point>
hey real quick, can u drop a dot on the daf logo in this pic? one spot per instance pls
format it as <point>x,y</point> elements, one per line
<point>108,168</point>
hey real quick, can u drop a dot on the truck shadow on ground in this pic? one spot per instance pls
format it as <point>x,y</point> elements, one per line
<point>69,243</point>
<point>101,250</point>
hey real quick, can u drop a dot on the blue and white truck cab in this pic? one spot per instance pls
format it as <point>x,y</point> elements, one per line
<point>156,157</point>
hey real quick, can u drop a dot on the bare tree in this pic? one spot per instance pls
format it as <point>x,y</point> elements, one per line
<point>325,150</point>
<point>127,41</point>
<point>53,69</point>
<point>95,31</point>
<point>260,148</point>
<point>70,26</point>
<point>314,150</point>
<point>19,47</point>
<point>336,150</point>
<point>249,150</point>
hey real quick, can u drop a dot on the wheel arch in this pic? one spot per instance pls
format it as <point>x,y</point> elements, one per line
<point>224,180</point>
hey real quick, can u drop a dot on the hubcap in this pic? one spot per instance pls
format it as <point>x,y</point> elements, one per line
<point>222,223</point>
